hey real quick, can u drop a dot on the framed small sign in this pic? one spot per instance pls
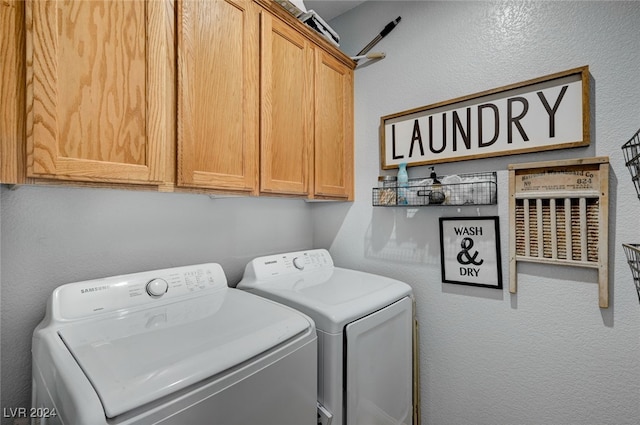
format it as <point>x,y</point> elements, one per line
<point>470,251</point>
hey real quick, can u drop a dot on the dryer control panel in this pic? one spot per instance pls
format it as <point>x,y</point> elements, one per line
<point>289,263</point>
<point>91,297</point>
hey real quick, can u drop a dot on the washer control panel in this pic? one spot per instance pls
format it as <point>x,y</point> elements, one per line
<point>83,299</point>
<point>290,263</point>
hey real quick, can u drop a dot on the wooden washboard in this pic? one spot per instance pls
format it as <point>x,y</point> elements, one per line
<point>559,214</point>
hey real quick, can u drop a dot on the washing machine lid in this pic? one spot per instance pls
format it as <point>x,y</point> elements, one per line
<point>332,296</point>
<point>136,357</point>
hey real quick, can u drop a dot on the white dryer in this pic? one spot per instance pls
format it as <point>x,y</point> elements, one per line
<point>364,324</point>
<point>172,346</point>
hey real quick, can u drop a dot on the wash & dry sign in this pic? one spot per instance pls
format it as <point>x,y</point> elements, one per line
<point>470,251</point>
<point>550,112</point>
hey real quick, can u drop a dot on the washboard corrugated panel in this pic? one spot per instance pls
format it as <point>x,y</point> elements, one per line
<point>559,215</point>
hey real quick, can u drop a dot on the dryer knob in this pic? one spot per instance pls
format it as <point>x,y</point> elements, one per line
<point>157,287</point>
<point>298,263</point>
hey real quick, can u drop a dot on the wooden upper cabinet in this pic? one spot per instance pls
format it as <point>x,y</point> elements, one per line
<point>286,137</point>
<point>96,90</point>
<point>333,177</point>
<point>218,87</point>
<point>257,101</point>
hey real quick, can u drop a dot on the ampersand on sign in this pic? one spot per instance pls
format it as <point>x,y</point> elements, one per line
<point>464,257</point>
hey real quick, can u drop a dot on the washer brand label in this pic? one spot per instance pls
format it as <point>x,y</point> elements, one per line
<point>94,289</point>
<point>266,263</point>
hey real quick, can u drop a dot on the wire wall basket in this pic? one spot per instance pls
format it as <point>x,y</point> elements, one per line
<point>632,250</point>
<point>631,151</point>
<point>459,189</point>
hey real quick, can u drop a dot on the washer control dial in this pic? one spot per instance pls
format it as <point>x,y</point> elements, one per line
<point>157,287</point>
<point>298,263</point>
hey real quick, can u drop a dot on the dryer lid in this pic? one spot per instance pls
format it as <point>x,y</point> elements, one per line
<point>136,357</point>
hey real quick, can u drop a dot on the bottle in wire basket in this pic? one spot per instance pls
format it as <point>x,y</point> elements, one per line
<point>403,182</point>
<point>436,196</point>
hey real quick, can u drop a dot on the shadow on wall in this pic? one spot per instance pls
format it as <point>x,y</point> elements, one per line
<point>328,218</point>
<point>405,235</point>
<point>411,236</point>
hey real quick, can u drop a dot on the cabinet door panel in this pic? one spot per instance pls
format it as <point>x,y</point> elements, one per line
<point>217,94</point>
<point>12,86</point>
<point>95,90</point>
<point>333,128</point>
<point>287,114</point>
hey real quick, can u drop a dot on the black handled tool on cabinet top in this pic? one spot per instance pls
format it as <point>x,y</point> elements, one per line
<point>386,30</point>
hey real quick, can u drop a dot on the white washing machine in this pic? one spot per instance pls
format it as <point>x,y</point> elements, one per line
<point>172,346</point>
<point>364,324</point>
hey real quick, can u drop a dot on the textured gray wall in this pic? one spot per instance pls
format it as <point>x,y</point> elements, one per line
<point>54,235</point>
<point>547,355</point>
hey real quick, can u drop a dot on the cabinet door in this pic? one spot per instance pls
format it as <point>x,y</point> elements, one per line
<point>333,128</point>
<point>12,86</point>
<point>287,108</point>
<point>95,90</point>
<point>218,94</point>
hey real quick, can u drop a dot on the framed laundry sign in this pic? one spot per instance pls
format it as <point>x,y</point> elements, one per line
<point>470,251</point>
<point>550,112</point>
